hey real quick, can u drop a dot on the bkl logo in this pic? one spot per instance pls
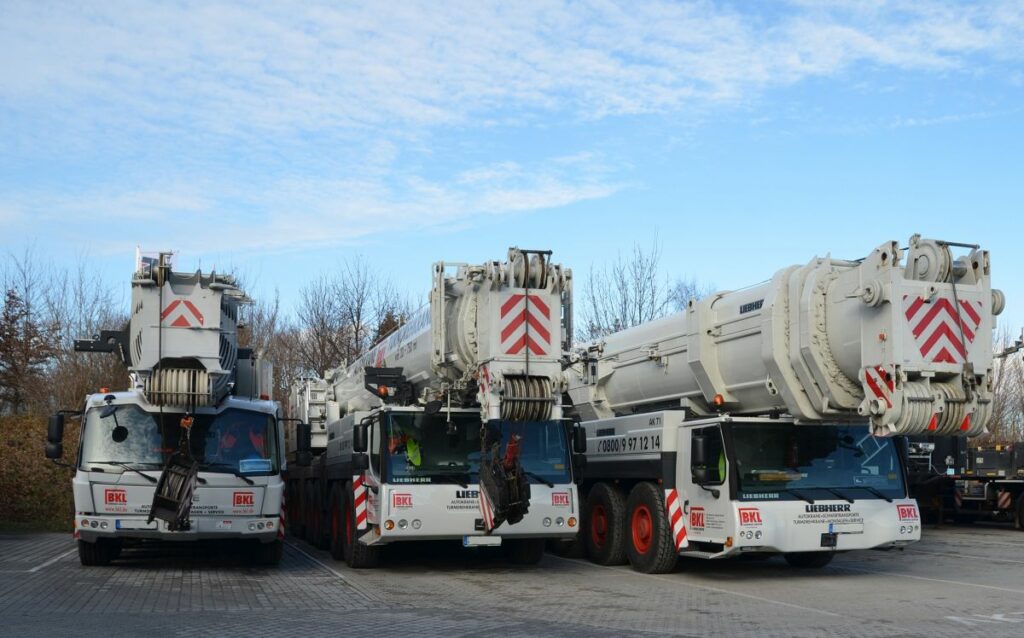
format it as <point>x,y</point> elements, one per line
<point>115,497</point>
<point>244,499</point>
<point>750,516</point>
<point>401,500</point>
<point>560,499</point>
<point>697,518</point>
<point>182,313</point>
<point>907,512</point>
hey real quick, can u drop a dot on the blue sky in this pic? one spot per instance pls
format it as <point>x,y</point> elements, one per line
<point>279,139</point>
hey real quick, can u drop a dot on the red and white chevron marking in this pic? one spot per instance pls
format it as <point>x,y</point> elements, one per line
<point>880,382</point>
<point>675,518</point>
<point>486,511</point>
<point>937,328</point>
<point>280,521</point>
<point>524,321</point>
<point>185,314</point>
<point>359,499</point>
<point>1004,500</point>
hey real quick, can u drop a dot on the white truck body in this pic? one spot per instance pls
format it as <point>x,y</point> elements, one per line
<point>193,395</point>
<point>826,362</point>
<point>485,357</point>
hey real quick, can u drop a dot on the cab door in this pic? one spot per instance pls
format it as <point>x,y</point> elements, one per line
<point>705,477</point>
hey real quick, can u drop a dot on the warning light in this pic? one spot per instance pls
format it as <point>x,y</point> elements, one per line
<point>728,541</point>
<point>571,522</point>
<point>718,400</point>
<point>389,525</point>
<point>104,390</point>
<point>382,390</point>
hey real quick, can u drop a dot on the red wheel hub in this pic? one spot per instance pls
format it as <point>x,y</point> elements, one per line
<point>598,526</point>
<point>642,527</point>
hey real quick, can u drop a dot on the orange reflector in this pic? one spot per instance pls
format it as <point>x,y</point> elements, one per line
<point>718,400</point>
<point>389,525</point>
<point>934,423</point>
<point>382,390</point>
<point>728,541</point>
<point>104,390</point>
<point>571,522</point>
<point>966,425</point>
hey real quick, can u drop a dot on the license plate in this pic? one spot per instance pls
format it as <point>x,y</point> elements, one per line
<point>130,524</point>
<point>829,540</point>
<point>481,541</point>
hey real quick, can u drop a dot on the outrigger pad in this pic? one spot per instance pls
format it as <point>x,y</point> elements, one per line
<point>173,499</point>
<point>508,490</point>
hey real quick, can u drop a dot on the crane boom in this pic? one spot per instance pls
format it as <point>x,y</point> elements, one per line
<point>906,344</point>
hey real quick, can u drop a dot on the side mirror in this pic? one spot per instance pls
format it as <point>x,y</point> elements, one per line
<point>701,475</point>
<point>579,439</point>
<point>699,450</point>
<point>579,467</point>
<point>303,444</point>
<point>55,437</point>
<point>359,438</point>
<point>360,462</point>
<point>303,437</point>
<point>55,429</point>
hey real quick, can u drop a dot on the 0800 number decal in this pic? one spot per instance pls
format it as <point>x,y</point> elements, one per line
<point>633,443</point>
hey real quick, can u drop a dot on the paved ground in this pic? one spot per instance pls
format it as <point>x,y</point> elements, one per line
<point>957,582</point>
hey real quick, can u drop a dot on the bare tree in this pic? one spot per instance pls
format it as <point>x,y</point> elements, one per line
<point>340,315</point>
<point>630,291</point>
<point>1007,422</point>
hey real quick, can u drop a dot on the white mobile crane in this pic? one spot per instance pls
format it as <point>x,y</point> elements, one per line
<point>760,420</point>
<point>450,428</point>
<point>192,449</point>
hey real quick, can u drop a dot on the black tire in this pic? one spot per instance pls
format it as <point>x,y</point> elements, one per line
<point>321,531</point>
<point>809,560</point>
<point>357,555</point>
<point>295,510</point>
<point>1020,511</point>
<point>649,545</point>
<point>308,513</point>
<point>524,551</point>
<point>336,524</point>
<point>95,554</point>
<point>268,554</point>
<point>604,525</point>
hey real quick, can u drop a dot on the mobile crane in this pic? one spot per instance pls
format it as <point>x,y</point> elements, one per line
<point>449,428</point>
<point>192,449</point>
<point>762,420</point>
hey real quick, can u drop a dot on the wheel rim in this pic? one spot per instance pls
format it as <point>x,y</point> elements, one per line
<point>599,526</point>
<point>642,526</point>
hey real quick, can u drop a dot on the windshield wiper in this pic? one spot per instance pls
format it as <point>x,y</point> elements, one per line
<point>455,478</point>
<point>229,468</point>
<point>838,493</point>
<point>125,466</point>
<point>538,477</point>
<point>877,493</point>
<point>799,495</point>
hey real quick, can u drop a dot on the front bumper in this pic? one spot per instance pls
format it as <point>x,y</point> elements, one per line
<point>91,528</point>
